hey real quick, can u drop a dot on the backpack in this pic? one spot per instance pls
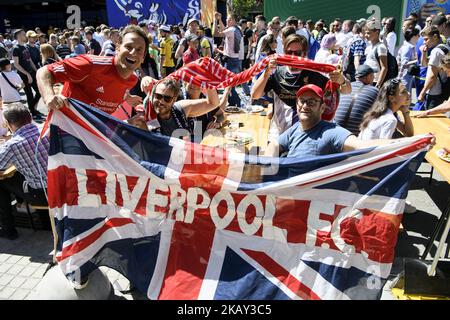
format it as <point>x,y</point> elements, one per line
<point>174,49</point>
<point>348,62</point>
<point>445,86</point>
<point>392,66</point>
<point>3,52</point>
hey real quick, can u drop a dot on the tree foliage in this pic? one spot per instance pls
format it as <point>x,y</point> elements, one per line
<point>243,7</point>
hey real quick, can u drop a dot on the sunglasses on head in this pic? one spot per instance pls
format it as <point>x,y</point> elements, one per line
<point>392,86</point>
<point>162,96</point>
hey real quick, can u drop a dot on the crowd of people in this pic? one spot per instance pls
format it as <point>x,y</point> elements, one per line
<point>106,68</point>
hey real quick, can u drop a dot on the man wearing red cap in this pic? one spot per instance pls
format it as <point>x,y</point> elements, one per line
<point>312,136</point>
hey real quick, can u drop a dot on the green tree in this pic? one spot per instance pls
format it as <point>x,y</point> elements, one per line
<point>243,7</point>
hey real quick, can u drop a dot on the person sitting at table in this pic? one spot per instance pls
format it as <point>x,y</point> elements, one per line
<point>285,81</point>
<point>174,115</point>
<point>352,107</point>
<point>380,121</point>
<point>30,180</point>
<point>312,136</point>
<point>212,119</point>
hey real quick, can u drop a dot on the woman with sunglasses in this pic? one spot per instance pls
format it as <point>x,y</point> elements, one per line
<point>381,121</point>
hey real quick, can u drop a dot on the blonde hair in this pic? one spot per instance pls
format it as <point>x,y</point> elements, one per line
<point>47,51</point>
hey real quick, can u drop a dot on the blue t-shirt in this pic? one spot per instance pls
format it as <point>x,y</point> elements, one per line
<point>324,138</point>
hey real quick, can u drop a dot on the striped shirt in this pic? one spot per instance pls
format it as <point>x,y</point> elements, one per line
<point>365,97</point>
<point>63,50</point>
<point>20,152</point>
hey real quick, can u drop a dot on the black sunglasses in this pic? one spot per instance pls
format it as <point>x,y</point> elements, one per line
<point>392,86</point>
<point>295,53</point>
<point>162,96</point>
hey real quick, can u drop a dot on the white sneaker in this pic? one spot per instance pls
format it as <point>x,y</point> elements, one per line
<point>409,208</point>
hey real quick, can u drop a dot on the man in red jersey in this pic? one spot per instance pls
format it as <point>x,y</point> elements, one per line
<point>102,82</point>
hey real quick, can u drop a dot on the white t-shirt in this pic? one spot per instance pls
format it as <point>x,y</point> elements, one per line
<point>322,55</point>
<point>3,131</point>
<point>8,93</point>
<point>302,32</point>
<point>343,39</point>
<point>106,44</point>
<point>229,44</point>
<point>381,128</point>
<point>435,59</point>
<point>391,40</point>
<point>280,49</point>
<point>371,59</point>
<point>99,38</point>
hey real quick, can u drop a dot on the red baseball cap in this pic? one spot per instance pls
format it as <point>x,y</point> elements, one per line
<point>310,87</point>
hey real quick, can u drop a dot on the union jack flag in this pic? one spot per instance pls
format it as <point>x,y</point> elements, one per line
<point>186,221</point>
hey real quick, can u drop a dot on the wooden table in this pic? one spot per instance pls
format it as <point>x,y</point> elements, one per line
<point>439,126</point>
<point>253,123</point>
<point>8,173</point>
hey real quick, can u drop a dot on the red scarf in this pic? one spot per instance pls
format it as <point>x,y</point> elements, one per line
<point>209,74</point>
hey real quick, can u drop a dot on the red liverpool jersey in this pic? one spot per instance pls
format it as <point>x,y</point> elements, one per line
<point>93,80</point>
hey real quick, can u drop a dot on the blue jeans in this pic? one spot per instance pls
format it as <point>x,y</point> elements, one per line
<point>419,86</point>
<point>407,80</point>
<point>234,65</point>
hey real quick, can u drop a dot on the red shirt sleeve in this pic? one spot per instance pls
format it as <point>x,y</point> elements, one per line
<point>74,69</point>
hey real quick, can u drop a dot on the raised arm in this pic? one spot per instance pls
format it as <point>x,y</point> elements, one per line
<point>260,84</point>
<point>198,107</point>
<point>45,82</point>
<point>345,85</point>
<point>180,49</point>
<point>218,25</point>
